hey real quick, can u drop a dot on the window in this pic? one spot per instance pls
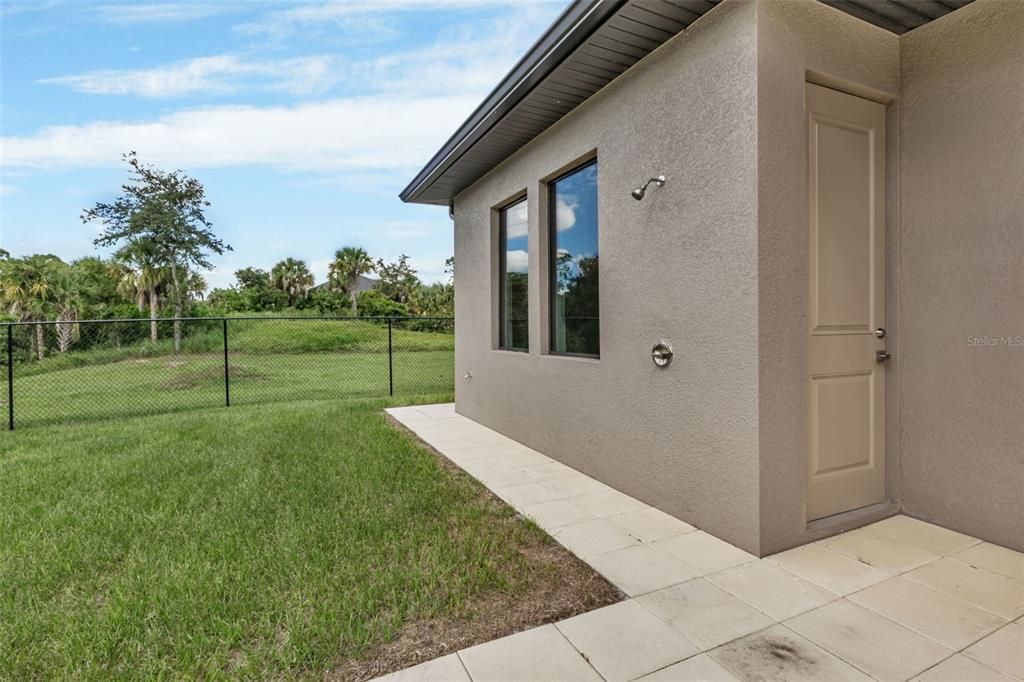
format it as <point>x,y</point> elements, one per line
<point>575,328</point>
<point>513,305</point>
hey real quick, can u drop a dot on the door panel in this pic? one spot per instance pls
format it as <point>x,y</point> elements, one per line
<point>846,300</point>
<point>843,404</point>
<point>842,259</point>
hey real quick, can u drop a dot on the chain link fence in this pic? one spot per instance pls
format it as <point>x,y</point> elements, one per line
<point>60,372</point>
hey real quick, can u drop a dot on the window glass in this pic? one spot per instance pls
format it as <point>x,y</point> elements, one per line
<point>575,313</point>
<point>514,306</point>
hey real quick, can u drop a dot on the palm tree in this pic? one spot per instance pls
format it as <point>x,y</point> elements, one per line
<point>142,278</point>
<point>293,278</point>
<point>29,287</point>
<point>67,302</point>
<point>344,271</point>
<point>194,285</point>
<point>96,281</point>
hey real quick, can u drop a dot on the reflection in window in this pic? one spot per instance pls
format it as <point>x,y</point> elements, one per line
<point>574,273</point>
<point>514,307</point>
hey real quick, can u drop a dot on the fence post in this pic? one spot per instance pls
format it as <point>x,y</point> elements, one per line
<point>227,380</point>
<point>391,363</point>
<point>10,377</point>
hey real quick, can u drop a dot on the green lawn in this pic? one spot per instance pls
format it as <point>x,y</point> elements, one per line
<point>262,541</point>
<point>152,385</point>
<point>269,361</point>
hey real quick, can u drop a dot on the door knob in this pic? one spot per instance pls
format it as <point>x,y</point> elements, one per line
<point>880,332</point>
<point>882,356</point>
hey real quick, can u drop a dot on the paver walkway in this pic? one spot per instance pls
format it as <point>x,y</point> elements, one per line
<point>900,599</point>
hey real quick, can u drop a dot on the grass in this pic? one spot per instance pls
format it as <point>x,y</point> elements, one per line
<point>283,541</point>
<point>270,361</point>
<point>109,342</point>
<point>168,383</point>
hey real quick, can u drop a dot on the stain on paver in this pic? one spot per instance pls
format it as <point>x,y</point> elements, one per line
<point>785,652</point>
<point>779,654</point>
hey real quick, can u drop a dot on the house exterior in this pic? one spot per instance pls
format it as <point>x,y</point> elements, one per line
<point>364,283</point>
<point>834,259</point>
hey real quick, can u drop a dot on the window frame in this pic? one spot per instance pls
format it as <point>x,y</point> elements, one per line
<point>502,211</point>
<point>552,248</point>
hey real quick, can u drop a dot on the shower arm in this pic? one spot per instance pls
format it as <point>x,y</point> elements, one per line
<point>639,192</point>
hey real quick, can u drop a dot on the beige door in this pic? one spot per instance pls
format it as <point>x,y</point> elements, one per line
<point>846,380</point>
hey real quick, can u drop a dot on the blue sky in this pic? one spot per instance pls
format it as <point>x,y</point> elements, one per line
<point>303,119</point>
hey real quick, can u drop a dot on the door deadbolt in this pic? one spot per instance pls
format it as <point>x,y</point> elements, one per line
<point>661,354</point>
<point>880,332</point>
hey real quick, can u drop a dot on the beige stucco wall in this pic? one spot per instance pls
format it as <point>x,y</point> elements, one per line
<point>716,261</point>
<point>962,271</point>
<point>800,40</point>
<point>680,265</point>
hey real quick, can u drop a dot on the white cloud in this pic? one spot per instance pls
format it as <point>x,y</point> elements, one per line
<point>221,276</point>
<point>333,9</point>
<point>461,60</point>
<point>7,189</point>
<point>391,120</point>
<point>470,67</point>
<point>429,266</point>
<point>220,74</point>
<point>565,214</point>
<point>319,268</point>
<point>396,120</point>
<point>342,12</point>
<point>136,13</point>
<point>516,261</point>
<point>124,12</point>
<point>359,133</point>
<point>516,221</point>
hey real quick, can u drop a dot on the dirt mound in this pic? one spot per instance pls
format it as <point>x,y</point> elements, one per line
<point>194,378</point>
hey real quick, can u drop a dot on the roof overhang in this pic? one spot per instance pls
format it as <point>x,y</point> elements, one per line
<point>588,46</point>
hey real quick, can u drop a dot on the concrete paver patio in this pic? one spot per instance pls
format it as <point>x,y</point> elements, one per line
<point>898,600</point>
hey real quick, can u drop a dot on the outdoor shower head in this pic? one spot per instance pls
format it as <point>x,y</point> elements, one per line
<point>639,192</point>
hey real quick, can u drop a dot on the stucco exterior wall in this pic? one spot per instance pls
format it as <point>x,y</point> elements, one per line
<point>962,271</point>
<point>717,262</point>
<point>801,40</point>
<point>679,265</point>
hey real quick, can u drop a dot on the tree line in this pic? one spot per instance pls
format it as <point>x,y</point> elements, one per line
<point>162,243</point>
<point>396,290</point>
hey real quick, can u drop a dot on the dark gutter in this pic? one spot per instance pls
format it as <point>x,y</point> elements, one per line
<point>570,30</point>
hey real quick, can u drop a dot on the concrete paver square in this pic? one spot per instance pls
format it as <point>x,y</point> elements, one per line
<point>537,654</point>
<point>624,641</point>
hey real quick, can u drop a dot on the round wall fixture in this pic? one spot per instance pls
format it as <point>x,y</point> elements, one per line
<point>661,354</point>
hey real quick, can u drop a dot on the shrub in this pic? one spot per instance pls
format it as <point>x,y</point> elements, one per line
<point>327,302</point>
<point>372,303</point>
